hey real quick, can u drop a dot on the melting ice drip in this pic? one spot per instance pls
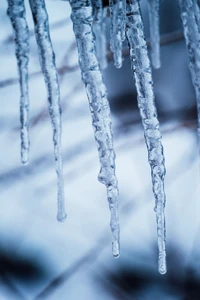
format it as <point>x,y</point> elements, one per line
<point>16,12</point>
<point>82,19</point>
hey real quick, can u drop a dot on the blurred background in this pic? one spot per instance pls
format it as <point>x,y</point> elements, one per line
<point>41,258</point>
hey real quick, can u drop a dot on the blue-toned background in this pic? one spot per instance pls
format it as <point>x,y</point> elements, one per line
<point>40,257</point>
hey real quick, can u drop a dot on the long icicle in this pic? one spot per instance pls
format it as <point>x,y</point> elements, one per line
<point>153,8</point>
<point>99,107</point>
<point>143,77</point>
<point>47,61</point>
<point>192,38</point>
<point>17,14</point>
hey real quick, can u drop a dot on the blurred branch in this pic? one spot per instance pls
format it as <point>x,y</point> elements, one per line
<point>165,39</point>
<point>91,255</point>
<point>62,70</point>
<point>74,174</point>
<point>12,290</point>
<point>46,161</point>
<point>53,26</point>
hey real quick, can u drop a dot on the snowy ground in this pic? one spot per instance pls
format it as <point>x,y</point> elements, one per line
<point>44,259</point>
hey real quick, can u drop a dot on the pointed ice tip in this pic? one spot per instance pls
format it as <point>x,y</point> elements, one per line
<point>162,265</point>
<point>24,158</point>
<point>157,66</point>
<point>116,255</point>
<point>162,271</point>
<point>115,249</point>
<point>61,217</point>
<point>156,63</point>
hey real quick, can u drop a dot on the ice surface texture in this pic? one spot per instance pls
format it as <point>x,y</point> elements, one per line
<point>97,95</point>
<point>143,78</point>
<point>17,14</point>
<point>47,61</point>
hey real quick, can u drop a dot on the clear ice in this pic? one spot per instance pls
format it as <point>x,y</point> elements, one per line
<point>153,8</point>
<point>99,28</point>
<point>192,38</point>
<point>116,30</point>
<point>197,12</point>
<point>47,61</point>
<point>143,78</point>
<point>122,18</point>
<point>17,14</point>
<point>97,95</point>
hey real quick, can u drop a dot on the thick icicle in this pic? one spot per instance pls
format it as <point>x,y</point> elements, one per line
<point>99,106</point>
<point>153,7</point>
<point>192,38</point>
<point>116,32</point>
<point>17,14</point>
<point>99,27</point>
<point>47,61</point>
<point>143,78</point>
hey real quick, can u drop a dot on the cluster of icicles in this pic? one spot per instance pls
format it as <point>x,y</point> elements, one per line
<point>89,24</point>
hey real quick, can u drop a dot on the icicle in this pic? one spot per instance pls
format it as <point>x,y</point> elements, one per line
<point>47,61</point>
<point>122,18</point>
<point>116,31</point>
<point>192,38</point>
<point>153,7</point>
<point>143,78</point>
<point>17,14</point>
<point>99,27</point>
<point>99,106</point>
<point>197,12</point>
<point>98,10</point>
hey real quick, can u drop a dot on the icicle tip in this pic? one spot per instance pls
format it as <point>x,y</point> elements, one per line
<point>61,217</point>
<point>24,158</point>
<point>162,265</point>
<point>115,249</point>
<point>156,64</point>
